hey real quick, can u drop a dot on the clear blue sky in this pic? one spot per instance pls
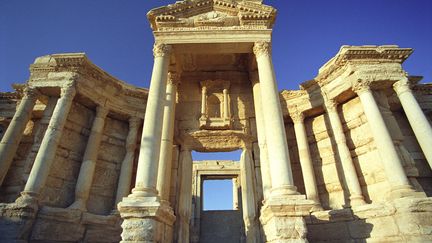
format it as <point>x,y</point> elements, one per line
<point>116,36</point>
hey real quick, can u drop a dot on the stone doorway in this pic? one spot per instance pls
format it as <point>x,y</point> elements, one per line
<point>225,225</point>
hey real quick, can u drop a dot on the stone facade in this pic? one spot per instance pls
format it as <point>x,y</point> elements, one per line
<point>346,158</point>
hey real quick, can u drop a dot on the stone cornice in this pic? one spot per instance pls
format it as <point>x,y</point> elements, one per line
<point>361,55</point>
<point>293,94</point>
<point>190,14</point>
<point>79,63</point>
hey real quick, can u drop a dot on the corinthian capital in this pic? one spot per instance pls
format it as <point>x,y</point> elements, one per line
<point>161,50</point>
<point>297,116</point>
<point>330,104</point>
<point>402,86</point>
<point>68,91</point>
<point>30,93</point>
<point>173,78</point>
<point>101,111</point>
<point>262,48</point>
<point>361,86</point>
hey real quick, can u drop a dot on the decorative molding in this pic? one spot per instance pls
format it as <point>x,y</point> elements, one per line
<point>262,49</point>
<point>68,91</point>
<point>297,116</point>
<point>161,50</point>
<point>361,86</point>
<point>212,14</point>
<point>402,86</point>
<point>173,78</point>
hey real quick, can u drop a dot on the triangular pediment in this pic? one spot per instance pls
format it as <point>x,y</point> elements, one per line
<point>210,14</point>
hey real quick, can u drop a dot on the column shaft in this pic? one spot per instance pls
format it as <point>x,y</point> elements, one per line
<point>416,118</point>
<point>305,158</point>
<point>349,171</point>
<point>226,103</point>
<point>185,198</point>
<point>389,157</point>
<point>88,165</point>
<point>165,158</point>
<point>259,119</point>
<point>203,102</point>
<point>125,178</point>
<point>47,150</point>
<point>280,167</point>
<point>12,137</point>
<point>235,194</point>
<point>148,162</point>
<point>249,204</point>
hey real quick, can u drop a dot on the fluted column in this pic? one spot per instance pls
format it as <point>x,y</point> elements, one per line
<point>12,137</point>
<point>165,158</point>
<point>305,157</point>
<point>259,119</point>
<point>416,118</point>
<point>396,176</point>
<point>88,165</point>
<point>148,162</point>
<point>125,178</point>
<point>47,150</point>
<point>349,171</point>
<point>280,167</point>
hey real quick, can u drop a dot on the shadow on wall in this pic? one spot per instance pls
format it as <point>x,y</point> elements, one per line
<point>341,226</point>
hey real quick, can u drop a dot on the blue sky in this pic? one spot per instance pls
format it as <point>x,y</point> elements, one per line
<point>116,36</point>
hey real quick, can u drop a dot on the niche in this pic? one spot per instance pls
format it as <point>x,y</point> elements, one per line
<point>215,105</point>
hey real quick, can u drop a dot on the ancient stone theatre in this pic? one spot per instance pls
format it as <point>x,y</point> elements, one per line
<point>85,157</point>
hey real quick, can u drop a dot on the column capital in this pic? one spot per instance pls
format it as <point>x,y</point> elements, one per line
<point>297,116</point>
<point>30,92</point>
<point>330,104</point>
<point>402,86</point>
<point>361,86</point>
<point>173,78</point>
<point>262,48</point>
<point>161,50</point>
<point>101,111</point>
<point>68,91</point>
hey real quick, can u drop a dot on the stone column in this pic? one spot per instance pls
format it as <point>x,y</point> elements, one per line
<point>259,119</point>
<point>125,178</point>
<point>283,210</point>
<point>148,161</point>
<point>145,219</point>
<point>399,184</point>
<point>47,150</point>
<point>249,204</point>
<point>165,157</point>
<point>203,102</point>
<point>349,171</point>
<point>226,103</point>
<point>280,167</point>
<point>417,119</point>
<point>305,157</point>
<point>12,137</point>
<point>184,207</point>
<point>88,165</point>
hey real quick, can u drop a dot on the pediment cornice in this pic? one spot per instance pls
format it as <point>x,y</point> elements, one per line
<point>212,14</point>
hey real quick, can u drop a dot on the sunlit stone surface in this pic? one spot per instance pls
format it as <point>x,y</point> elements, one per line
<point>89,158</point>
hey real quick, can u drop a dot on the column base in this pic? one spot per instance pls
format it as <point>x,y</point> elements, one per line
<point>78,205</point>
<point>282,218</point>
<point>146,219</point>
<point>397,192</point>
